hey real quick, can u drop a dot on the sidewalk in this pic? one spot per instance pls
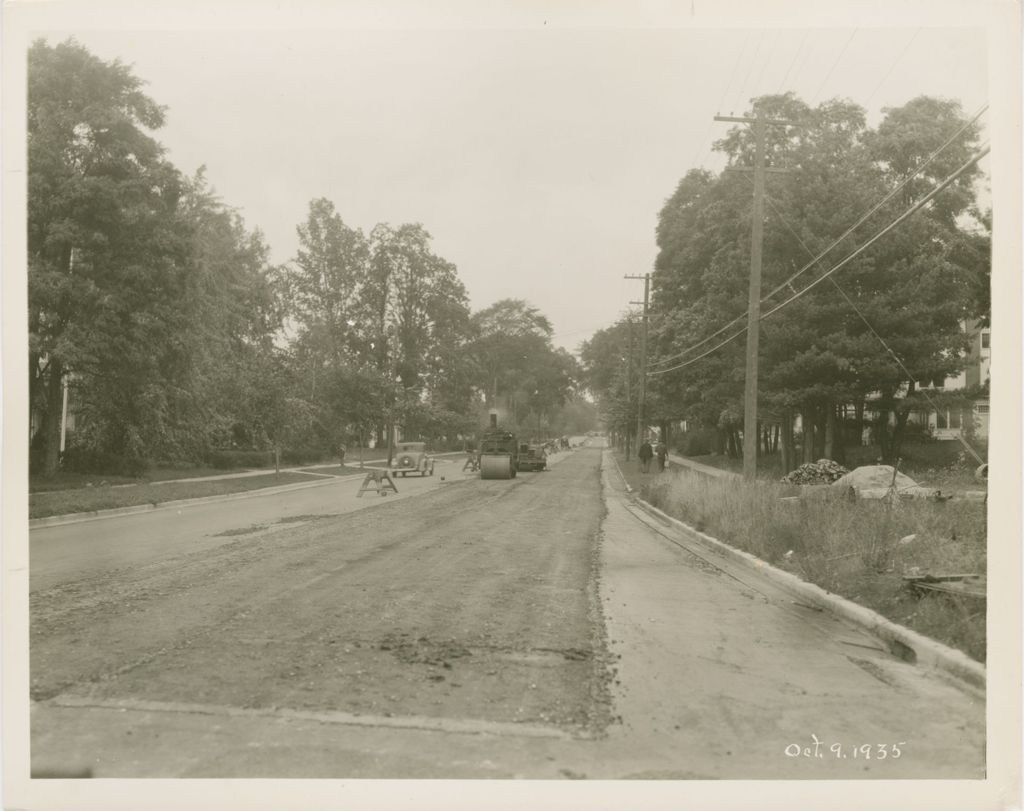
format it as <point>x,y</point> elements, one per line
<point>309,470</point>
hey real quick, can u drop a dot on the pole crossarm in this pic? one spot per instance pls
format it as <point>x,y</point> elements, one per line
<point>771,170</point>
<point>755,119</point>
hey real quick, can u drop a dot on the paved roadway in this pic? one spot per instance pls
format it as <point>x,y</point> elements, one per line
<point>537,627</point>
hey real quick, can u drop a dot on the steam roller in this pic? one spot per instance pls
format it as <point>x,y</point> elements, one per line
<point>495,467</point>
<point>499,453</point>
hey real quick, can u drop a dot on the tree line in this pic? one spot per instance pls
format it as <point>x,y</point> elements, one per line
<point>156,311</point>
<point>889,322</point>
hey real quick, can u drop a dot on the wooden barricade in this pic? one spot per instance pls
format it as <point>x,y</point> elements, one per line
<point>378,481</point>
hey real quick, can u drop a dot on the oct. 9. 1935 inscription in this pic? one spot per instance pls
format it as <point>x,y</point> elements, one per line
<point>838,751</point>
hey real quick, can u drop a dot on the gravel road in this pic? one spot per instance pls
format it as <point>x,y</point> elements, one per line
<point>533,627</point>
<point>475,601</point>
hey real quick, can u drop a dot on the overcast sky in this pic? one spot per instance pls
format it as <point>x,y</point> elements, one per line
<point>538,158</point>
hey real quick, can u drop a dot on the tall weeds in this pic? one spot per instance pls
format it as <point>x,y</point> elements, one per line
<point>852,547</point>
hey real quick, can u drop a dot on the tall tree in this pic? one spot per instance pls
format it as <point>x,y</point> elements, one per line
<point>915,286</point>
<point>107,254</point>
<point>323,283</point>
<point>414,319</point>
<point>236,308</point>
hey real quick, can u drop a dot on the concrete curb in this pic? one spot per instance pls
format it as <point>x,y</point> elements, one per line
<point>700,467</point>
<point>113,512</point>
<point>903,642</point>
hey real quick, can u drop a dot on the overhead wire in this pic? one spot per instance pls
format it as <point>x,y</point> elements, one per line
<point>909,212</point>
<point>892,67</point>
<point>725,93</point>
<point>788,282</point>
<point>842,263</point>
<point>871,329</point>
<point>835,64</point>
<point>750,69</point>
<point>789,70</point>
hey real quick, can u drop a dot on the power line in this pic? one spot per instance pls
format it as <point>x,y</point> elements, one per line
<point>893,66</point>
<point>788,282</point>
<point>873,331</point>
<point>909,212</point>
<point>799,49</point>
<point>753,59</point>
<point>834,65</point>
<point>725,93</point>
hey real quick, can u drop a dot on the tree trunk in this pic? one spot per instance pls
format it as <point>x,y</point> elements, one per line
<point>830,431</point>
<point>807,418</point>
<point>788,447</point>
<point>882,435</point>
<point>50,425</point>
<point>902,415</point>
<point>820,417</point>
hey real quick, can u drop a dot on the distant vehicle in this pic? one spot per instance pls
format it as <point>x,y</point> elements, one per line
<point>532,457</point>
<point>412,457</point>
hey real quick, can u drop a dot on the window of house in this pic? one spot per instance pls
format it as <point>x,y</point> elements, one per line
<point>954,418</point>
<point>981,408</point>
<point>986,337</point>
<point>941,420</point>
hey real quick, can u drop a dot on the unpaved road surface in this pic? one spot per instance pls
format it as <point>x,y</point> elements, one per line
<point>527,628</point>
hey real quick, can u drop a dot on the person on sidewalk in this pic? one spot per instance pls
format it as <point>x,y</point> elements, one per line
<point>644,454</point>
<point>662,452</point>
<point>341,453</point>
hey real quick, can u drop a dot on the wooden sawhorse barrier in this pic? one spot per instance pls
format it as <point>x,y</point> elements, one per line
<point>378,481</point>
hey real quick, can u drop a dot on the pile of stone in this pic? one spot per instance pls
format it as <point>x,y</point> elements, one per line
<point>874,481</point>
<point>824,471</point>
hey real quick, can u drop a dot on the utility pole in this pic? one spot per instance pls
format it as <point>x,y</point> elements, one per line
<point>754,298</point>
<point>629,383</point>
<point>643,355</point>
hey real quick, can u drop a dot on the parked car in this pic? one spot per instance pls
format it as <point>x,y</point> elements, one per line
<point>412,457</point>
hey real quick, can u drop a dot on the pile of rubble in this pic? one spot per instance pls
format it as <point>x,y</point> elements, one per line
<point>824,471</point>
<point>875,481</point>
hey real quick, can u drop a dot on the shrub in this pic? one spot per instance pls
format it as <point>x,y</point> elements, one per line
<point>91,460</point>
<point>301,456</point>
<point>227,459</point>
<point>699,442</point>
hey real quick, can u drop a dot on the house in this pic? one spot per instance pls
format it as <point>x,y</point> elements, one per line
<point>949,422</point>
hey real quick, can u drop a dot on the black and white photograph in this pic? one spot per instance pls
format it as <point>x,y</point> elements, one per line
<point>512,405</point>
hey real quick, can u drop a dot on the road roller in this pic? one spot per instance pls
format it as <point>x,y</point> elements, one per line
<point>499,454</point>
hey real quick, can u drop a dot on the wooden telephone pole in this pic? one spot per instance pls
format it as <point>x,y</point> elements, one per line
<point>754,299</point>
<point>646,278</point>
<point>629,383</point>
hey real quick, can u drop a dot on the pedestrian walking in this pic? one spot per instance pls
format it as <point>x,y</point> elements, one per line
<point>662,453</point>
<point>644,454</point>
<point>341,453</point>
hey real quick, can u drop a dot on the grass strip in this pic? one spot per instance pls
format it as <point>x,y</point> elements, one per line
<point>88,499</point>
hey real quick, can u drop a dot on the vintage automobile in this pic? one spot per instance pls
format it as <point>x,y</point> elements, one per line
<point>412,457</point>
<point>532,457</point>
